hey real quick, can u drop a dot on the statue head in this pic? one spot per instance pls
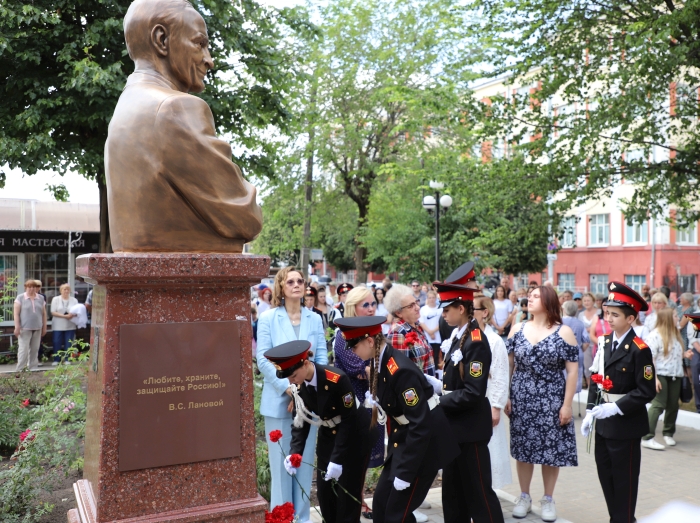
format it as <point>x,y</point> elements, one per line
<point>169,36</point>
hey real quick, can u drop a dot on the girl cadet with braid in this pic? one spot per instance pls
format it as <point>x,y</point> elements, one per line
<point>420,442</point>
<point>467,492</point>
<point>323,397</point>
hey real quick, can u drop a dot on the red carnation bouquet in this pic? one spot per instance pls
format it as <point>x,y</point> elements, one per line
<point>604,385</point>
<point>281,513</point>
<point>411,338</point>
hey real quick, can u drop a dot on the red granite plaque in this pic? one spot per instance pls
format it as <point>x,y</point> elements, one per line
<point>179,394</point>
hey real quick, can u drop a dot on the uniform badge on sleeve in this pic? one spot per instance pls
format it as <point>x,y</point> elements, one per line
<point>476,335</point>
<point>475,369</point>
<point>348,400</point>
<point>639,342</point>
<point>332,376</point>
<point>392,366</point>
<point>411,397</point>
<point>648,372</point>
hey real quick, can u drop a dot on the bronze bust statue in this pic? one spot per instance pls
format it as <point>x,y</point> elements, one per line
<point>171,184</point>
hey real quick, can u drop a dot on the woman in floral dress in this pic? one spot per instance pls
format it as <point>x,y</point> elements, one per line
<point>541,425</point>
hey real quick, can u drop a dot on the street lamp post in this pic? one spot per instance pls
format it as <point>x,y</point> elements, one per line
<point>430,204</point>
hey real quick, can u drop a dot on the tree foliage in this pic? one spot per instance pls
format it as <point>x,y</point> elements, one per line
<point>607,90</point>
<point>63,64</point>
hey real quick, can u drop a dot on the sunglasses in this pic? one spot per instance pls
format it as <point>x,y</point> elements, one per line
<point>367,305</point>
<point>298,281</point>
<point>479,308</point>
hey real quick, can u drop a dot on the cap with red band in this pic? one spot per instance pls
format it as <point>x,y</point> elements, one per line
<point>462,274</point>
<point>344,288</point>
<point>358,328</point>
<point>310,291</point>
<point>621,295</point>
<point>694,319</point>
<point>288,354</point>
<point>449,292</point>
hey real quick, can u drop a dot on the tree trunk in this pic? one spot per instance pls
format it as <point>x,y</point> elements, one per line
<point>306,238</point>
<point>105,239</point>
<point>361,250</point>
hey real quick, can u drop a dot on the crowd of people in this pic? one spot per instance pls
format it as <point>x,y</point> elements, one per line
<point>528,352</point>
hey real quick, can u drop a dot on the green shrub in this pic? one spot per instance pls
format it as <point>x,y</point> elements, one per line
<point>55,419</point>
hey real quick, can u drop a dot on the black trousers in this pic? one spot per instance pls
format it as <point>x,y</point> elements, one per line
<point>337,505</point>
<point>618,462</point>
<point>466,487</point>
<point>396,506</point>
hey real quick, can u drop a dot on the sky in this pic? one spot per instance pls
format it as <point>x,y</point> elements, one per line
<point>81,190</point>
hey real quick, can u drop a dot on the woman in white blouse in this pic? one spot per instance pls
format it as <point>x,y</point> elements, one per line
<point>667,350</point>
<point>497,393</point>
<point>63,329</point>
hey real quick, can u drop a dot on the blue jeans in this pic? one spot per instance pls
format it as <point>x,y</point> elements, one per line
<point>61,341</point>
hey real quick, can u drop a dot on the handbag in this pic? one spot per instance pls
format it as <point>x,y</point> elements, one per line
<point>686,389</point>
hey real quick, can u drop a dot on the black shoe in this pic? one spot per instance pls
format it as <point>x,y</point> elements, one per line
<point>367,515</point>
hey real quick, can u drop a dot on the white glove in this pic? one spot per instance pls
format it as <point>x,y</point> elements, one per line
<point>445,346</point>
<point>436,383</point>
<point>606,410</point>
<point>400,484</point>
<point>587,423</point>
<point>457,356</point>
<point>333,471</point>
<point>291,469</point>
<point>369,401</point>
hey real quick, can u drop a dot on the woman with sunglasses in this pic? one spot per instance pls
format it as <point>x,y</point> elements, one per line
<point>287,320</point>
<point>360,302</point>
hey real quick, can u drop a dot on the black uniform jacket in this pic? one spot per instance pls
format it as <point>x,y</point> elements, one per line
<point>631,369</point>
<point>403,390</point>
<point>466,405</point>
<point>333,397</point>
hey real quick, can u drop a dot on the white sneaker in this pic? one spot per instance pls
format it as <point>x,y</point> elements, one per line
<point>652,444</point>
<point>670,441</point>
<point>523,506</point>
<point>54,364</point>
<point>549,511</point>
<point>420,517</point>
<point>426,505</point>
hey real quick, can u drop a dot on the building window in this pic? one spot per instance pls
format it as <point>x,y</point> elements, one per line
<point>687,235</point>
<point>637,232</point>
<point>8,284</point>
<point>599,284</point>
<point>687,283</point>
<point>600,229</point>
<point>568,236</point>
<point>565,281</point>
<point>635,281</point>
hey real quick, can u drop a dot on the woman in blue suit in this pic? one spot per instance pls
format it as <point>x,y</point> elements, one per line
<point>288,320</point>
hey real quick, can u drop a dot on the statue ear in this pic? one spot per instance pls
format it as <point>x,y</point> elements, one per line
<point>159,39</point>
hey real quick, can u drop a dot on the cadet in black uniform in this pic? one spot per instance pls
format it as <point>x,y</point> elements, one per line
<point>420,442</point>
<point>621,414</point>
<point>325,398</point>
<point>466,482</point>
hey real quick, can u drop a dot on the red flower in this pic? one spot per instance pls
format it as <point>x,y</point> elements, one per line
<point>411,338</point>
<point>296,460</point>
<point>280,514</point>
<point>25,403</point>
<point>26,434</point>
<point>275,436</point>
<point>597,378</point>
<point>607,384</point>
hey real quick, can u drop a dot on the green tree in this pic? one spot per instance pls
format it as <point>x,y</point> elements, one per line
<point>63,64</point>
<point>608,90</point>
<point>387,72</point>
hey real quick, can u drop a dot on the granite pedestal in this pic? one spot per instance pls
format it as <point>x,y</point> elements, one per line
<point>173,296</point>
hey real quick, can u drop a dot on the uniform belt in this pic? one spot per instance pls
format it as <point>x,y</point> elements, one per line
<point>333,422</point>
<point>610,398</point>
<point>432,403</point>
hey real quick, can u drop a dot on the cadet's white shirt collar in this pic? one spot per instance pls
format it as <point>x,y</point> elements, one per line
<point>381,355</point>
<point>619,340</point>
<point>314,379</point>
<point>460,331</point>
